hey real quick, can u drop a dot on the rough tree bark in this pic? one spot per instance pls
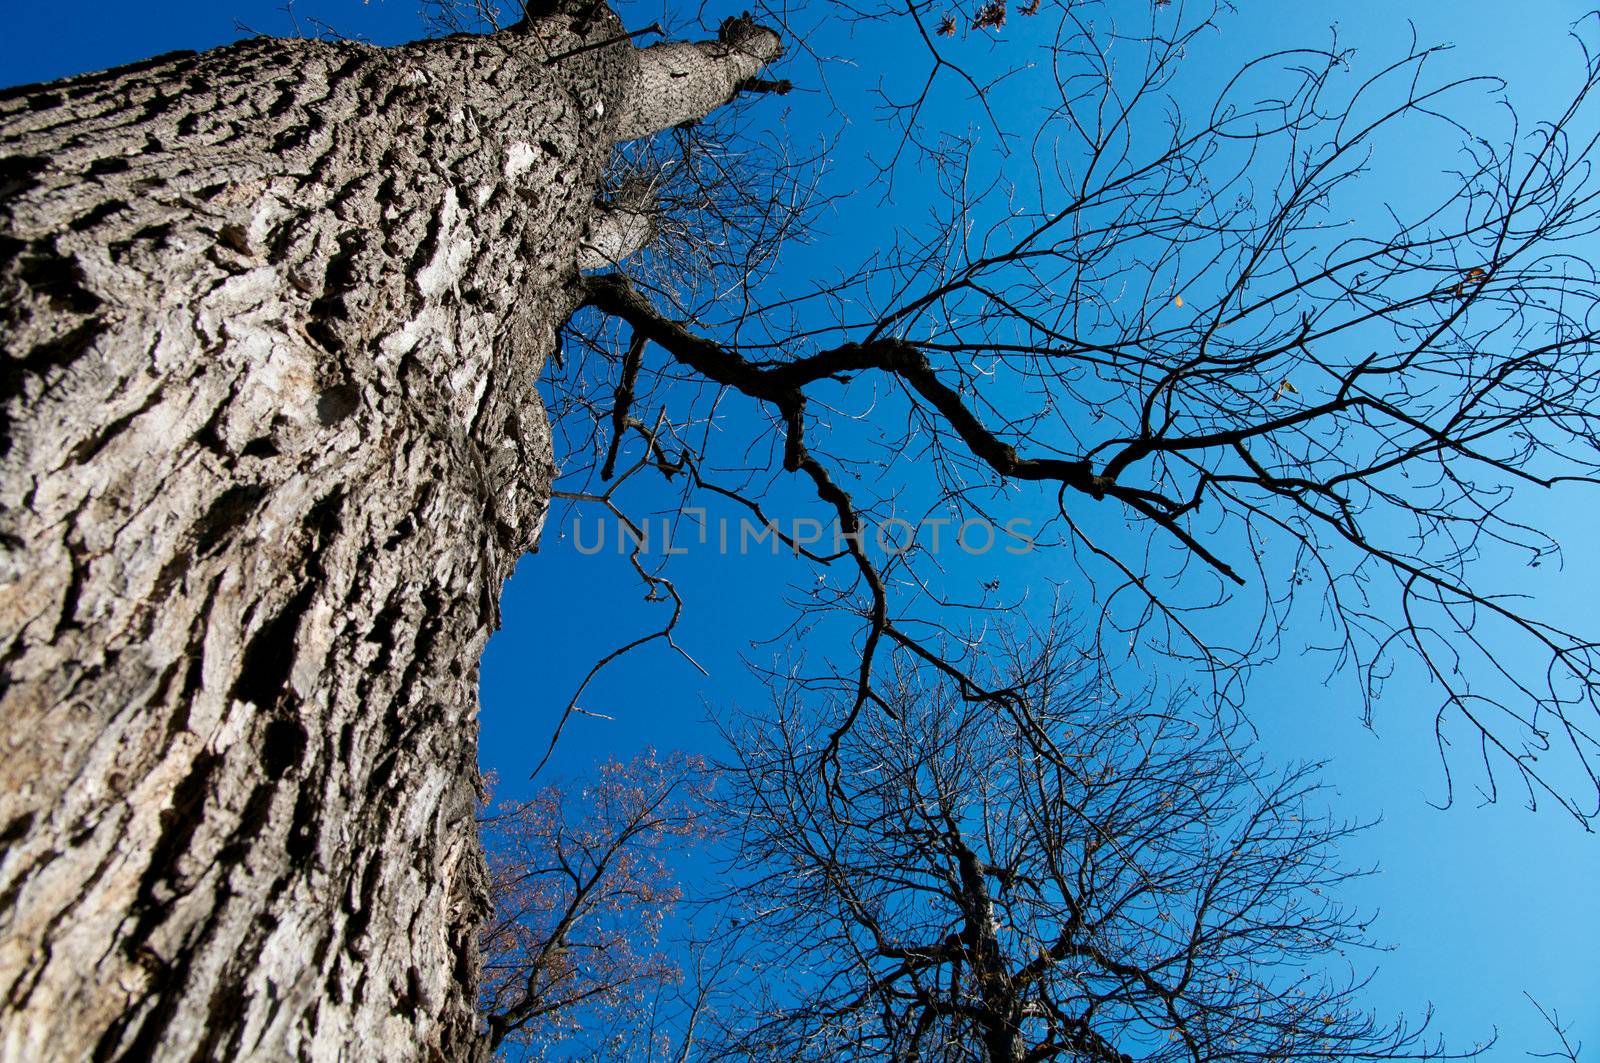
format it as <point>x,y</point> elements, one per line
<point>272,319</point>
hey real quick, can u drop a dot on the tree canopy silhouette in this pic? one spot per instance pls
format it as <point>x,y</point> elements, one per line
<point>1166,331</point>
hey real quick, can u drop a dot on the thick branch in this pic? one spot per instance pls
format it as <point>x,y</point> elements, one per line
<point>681,81</point>
<point>782,385</point>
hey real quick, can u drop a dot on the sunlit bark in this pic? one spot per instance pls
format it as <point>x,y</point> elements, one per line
<point>272,319</point>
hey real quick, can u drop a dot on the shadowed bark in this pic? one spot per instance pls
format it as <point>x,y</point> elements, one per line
<point>273,316</point>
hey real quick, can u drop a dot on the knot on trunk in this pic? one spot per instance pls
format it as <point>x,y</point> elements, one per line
<point>621,226</point>
<point>743,34</point>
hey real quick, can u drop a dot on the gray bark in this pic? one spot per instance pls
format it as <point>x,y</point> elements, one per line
<point>272,320</point>
<point>680,81</point>
<point>620,227</point>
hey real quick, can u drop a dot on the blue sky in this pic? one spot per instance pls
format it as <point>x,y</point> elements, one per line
<point>1481,902</point>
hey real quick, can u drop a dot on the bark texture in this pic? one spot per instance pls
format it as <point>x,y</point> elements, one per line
<point>620,227</point>
<point>680,81</point>
<point>273,317</point>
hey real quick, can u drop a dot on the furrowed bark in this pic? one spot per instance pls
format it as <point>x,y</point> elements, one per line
<point>272,320</point>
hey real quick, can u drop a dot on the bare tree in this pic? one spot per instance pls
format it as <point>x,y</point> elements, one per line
<point>1166,333</point>
<point>581,882</point>
<point>1088,875</point>
<point>273,317</point>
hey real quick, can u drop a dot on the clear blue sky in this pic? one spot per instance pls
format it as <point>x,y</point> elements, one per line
<point>1480,902</point>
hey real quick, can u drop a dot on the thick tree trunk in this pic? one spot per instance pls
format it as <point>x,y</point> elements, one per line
<point>273,317</point>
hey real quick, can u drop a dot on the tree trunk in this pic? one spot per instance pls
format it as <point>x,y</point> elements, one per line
<point>273,317</point>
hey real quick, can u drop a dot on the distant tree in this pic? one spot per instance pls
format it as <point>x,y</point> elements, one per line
<point>581,880</point>
<point>1086,875</point>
